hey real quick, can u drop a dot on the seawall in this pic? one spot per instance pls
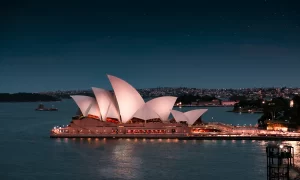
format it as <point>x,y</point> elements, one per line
<point>179,137</point>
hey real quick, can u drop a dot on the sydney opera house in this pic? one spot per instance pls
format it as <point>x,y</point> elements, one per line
<point>124,113</point>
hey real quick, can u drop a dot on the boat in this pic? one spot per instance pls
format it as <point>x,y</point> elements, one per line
<point>41,107</point>
<point>53,108</point>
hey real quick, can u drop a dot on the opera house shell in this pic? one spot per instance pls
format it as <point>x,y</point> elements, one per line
<point>124,110</point>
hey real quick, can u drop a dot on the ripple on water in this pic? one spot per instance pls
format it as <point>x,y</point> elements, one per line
<point>28,153</point>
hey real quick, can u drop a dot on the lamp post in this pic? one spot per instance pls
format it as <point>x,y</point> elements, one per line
<point>291,103</point>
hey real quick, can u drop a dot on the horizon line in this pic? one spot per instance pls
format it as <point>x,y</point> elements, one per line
<point>273,87</point>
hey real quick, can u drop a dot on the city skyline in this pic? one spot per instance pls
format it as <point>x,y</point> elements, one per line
<point>71,45</point>
<point>224,94</point>
<point>108,87</point>
<point>160,87</point>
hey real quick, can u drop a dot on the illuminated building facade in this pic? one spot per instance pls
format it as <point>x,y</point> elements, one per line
<point>124,111</point>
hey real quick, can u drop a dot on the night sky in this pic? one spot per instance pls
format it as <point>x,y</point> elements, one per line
<point>66,45</point>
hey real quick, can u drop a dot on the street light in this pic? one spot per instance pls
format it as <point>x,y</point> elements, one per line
<point>291,103</point>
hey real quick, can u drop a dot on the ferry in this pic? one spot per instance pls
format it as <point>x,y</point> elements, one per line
<point>41,107</point>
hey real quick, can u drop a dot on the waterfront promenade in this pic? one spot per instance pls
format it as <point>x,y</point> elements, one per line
<point>179,137</point>
<point>223,132</point>
<point>273,135</point>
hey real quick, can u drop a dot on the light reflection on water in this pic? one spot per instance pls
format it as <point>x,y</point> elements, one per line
<point>28,153</point>
<point>147,158</point>
<point>126,165</point>
<point>296,151</point>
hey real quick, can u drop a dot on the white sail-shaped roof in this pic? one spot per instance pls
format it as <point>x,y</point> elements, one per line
<point>102,100</point>
<point>179,116</point>
<point>112,112</point>
<point>190,116</point>
<point>162,106</point>
<point>146,113</point>
<point>193,115</point>
<point>85,104</point>
<point>129,100</point>
<point>106,103</point>
<point>94,109</point>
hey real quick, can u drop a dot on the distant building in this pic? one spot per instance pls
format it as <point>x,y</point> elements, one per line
<point>277,126</point>
<point>194,103</point>
<point>214,102</point>
<point>228,103</point>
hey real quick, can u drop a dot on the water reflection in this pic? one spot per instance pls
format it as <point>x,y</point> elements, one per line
<point>295,145</point>
<point>126,163</point>
<point>80,159</point>
<point>263,143</point>
<point>124,158</point>
<point>296,151</point>
<point>58,140</point>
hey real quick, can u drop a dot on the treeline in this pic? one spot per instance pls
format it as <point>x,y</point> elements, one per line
<point>67,96</point>
<point>26,97</point>
<point>248,104</point>
<point>279,109</point>
<point>188,99</point>
<point>238,98</point>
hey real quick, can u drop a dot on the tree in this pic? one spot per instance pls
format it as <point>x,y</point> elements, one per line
<point>277,109</point>
<point>295,110</point>
<point>238,98</point>
<point>252,104</point>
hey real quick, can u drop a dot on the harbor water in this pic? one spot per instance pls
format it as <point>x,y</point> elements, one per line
<point>27,152</point>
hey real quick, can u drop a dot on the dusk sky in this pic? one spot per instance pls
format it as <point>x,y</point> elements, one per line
<point>66,45</point>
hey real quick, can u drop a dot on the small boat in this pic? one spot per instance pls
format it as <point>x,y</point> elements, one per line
<point>41,107</point>
<point>53,108</point>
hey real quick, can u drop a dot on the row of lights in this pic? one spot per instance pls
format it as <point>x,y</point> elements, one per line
<point>128,139</point>
<point>160,140</point>
<point>59,127</point>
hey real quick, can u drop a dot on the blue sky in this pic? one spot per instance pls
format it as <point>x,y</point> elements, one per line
<point>54,45</point>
